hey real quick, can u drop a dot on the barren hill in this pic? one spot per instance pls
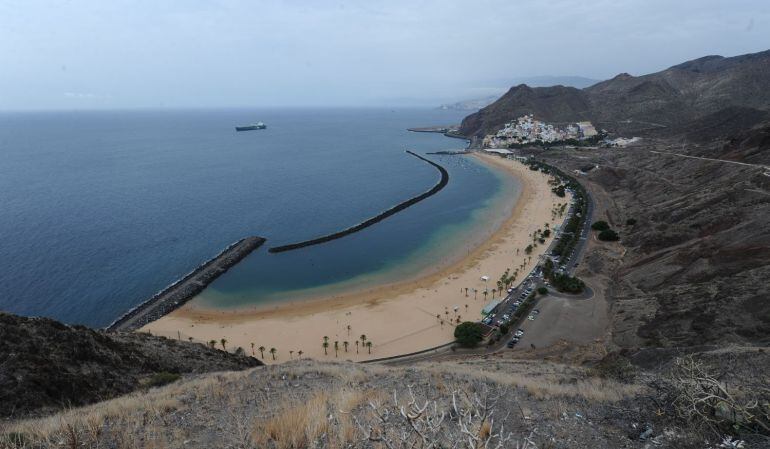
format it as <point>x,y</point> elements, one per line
<point>470,403</point>
<point>46,365</point>
<point>661,103</point>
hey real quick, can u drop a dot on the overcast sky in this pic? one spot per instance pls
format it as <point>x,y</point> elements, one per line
<point>57,54</point>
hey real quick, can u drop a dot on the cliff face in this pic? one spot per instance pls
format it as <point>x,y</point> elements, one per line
<point>662,103</point>
<point>46,365</point>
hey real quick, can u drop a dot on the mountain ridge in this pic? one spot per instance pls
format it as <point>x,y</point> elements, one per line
<point>656,104</point>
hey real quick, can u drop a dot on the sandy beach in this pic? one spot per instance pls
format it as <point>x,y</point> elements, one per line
<point>396,318</point>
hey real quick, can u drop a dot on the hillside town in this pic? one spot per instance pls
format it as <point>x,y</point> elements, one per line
<point>528,130</point>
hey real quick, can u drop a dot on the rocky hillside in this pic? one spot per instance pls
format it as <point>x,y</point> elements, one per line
<point>662,103</point>
<point>696,259</point>
<point>46,365</point>
<point>469,403</point>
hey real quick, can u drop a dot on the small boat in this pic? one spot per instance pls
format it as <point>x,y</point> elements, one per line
<point>252,127</point>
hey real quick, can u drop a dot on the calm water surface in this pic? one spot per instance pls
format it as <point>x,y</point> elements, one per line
<point>102,209</point>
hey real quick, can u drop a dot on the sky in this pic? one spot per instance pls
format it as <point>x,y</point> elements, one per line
<point>113,54</point>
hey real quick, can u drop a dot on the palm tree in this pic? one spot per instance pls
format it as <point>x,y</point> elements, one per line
<point>348,329</point>
<point>494,290</point>
<point>212,343</point>
<point>252,349</point>
<point>325,345</point>
<point>458,319</point>
<point>326,338</point>
<point>438,316</point>
<point>272,352</point>
<point>369,346</point>
<point>466,292</point>
<point>189,338</point>
<point>299,353</point>
<point>224,343</point>
<point>442,324</point>
<point>363,338</point>
<point>262,352</point>
<point>356,346</point>
<point>345,344</point>
<point>475,291</point>
<point>466,308</point>
<point>485,295</point>
<point>291,354</point>
<point>336,347</point>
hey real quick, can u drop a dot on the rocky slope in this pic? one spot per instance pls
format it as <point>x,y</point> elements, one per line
<point>661,103</point>
<point>695,263</point>
<point>46,365</point>
<point>468,403</point>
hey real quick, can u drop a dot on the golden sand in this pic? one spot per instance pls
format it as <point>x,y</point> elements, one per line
<point>398,318</point>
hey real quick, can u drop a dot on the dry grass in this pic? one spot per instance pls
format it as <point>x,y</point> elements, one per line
<point>547,386</point>
<point>310,404</point>
<point>300,422</point>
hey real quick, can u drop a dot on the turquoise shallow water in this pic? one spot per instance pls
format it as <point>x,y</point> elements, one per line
<point>103,209</point>
<point>454,232</point>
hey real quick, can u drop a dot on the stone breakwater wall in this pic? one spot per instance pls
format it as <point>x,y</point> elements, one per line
<point>376,219</point>
<point>181,291</point>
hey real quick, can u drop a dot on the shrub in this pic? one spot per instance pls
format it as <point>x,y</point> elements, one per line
<point>469,334</point>
<point>161,378</point>
<point>542,290</point>
<point>608,235</point>
<point>566,283</point>
<point>600,225</point>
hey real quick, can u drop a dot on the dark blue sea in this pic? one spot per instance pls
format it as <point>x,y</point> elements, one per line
<point>100,210</point>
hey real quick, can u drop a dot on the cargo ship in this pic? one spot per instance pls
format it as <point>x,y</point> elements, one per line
<point>252,127</point>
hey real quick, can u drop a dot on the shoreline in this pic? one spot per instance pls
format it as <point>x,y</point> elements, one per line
<point>411,305</point>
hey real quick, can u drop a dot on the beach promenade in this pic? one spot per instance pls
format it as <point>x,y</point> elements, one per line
<point>397,318</point>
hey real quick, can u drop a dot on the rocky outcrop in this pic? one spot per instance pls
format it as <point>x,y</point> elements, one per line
<point>46,365</point>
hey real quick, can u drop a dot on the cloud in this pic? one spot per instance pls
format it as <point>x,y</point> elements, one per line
<point>201,53</point>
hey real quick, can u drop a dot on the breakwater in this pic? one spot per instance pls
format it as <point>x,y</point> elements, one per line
<point>181,291</point>
<point>376,219</point>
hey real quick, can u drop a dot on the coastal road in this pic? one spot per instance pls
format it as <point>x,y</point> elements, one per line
<point>580,246</point>
<point>575,316</point>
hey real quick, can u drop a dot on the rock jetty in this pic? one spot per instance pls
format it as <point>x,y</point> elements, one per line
<point>376,219</point>
<point>181,291</point>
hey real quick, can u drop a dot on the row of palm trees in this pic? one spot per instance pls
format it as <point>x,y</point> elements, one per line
<point>261,349</point>
<point>364,342</point>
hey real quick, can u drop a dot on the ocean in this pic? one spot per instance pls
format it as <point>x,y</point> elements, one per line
<point>100,210</point>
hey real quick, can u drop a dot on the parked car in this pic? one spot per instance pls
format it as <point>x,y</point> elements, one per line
<point>531,318</point>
